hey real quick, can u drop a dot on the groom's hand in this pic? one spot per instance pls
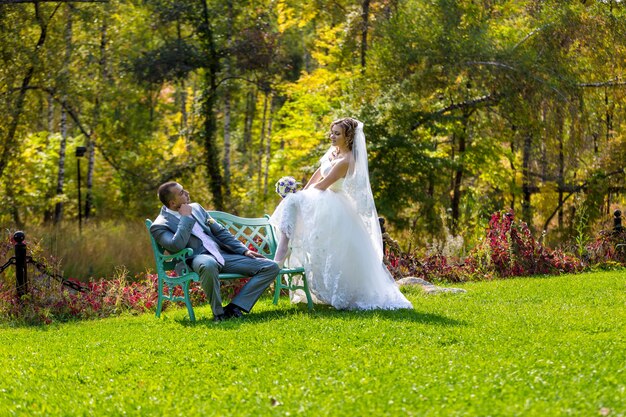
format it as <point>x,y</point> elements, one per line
<point>251,254</point>
<point>185,210</point>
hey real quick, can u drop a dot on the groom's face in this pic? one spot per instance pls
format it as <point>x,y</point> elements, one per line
<point>180,196</point>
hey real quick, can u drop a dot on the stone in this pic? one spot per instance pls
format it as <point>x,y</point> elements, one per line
<point>414,281</point>
<point>428,287</point>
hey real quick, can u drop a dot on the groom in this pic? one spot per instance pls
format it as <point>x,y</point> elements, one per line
<point>182,224</point>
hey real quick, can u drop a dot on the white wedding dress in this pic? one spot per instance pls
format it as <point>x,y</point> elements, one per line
<point>339,245</point>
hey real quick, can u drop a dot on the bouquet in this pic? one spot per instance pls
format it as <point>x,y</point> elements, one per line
<point>286,185</point>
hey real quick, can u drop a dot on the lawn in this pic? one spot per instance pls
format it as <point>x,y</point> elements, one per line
<point>531,346</point>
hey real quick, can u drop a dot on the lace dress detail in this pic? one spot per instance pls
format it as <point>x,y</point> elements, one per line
<point>330,240</point>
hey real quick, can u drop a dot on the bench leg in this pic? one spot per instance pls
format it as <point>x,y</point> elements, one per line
<point>159,299</point>
<point>277,287</point>
<point>192,316</point>
<point>309,300</point>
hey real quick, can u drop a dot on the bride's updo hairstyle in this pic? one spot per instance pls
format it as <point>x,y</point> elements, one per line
<point>349,127</point>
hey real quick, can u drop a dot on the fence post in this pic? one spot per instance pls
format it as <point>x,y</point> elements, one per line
<point>21,278</point>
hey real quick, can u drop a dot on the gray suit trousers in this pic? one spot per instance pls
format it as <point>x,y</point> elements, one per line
<point>262,273</point>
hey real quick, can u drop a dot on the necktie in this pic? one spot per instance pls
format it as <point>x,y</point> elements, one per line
<point>208,243</point>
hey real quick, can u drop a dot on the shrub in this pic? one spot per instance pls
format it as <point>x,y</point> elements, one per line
<point>508,250</point>
<point>48,300</point>
<point>515,252</point>
<point>607,249</point>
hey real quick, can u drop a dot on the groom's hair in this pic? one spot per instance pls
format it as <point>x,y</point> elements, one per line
<point>165,192</point>
<point>349,128</point>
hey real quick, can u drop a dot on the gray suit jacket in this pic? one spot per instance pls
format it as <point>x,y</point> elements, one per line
<point>175,235</point>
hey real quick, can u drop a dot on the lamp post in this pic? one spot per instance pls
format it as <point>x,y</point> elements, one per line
<point>80,151</point>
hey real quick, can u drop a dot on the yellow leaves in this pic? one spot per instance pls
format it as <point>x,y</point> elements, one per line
<point>179,148</point>
<point>327,46</point>
<point>286,16</point>
<point>294,16</point>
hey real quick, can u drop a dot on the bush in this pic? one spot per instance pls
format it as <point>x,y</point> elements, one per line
<point>607,250</point>
<point>515,252</point>
<point>49,300</point>
<point>508,250</point>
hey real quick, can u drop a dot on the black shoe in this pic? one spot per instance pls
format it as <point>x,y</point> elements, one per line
<point>232,311</point>
<point>219,317</point>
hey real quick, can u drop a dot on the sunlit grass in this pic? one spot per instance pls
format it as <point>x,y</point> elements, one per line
<point>529,346</point>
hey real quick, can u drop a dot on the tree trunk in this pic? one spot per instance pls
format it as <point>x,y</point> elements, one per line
<point>249,118</point>
<point>48,213</point>
<point>208,111</point>
<point>526,180</point>
<point>608,116</point>
<point>228,72</point>
<point>58,209</point>
<point>226,161</point>
<point>458,178</point>
<point>18,106</point>
<point>268,149</point>
<point>184,116</point>
<point>15,210</point>
<point>262,143</point>
<point>210,147</point>
<point>513,168</point>
<point>561,163</point>
<point>364,28</point>
<point>91,146</point>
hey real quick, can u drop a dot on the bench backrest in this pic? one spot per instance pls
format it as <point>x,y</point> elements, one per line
<point>256,233</point>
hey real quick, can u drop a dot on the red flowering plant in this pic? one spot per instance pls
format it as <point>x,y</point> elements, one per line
<point>608,250</point>
<point>509,249</point>
<point>48,300</point>
<point>434,268</point>
<point>513,251</point>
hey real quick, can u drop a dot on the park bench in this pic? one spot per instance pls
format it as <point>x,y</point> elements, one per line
<point>255,233</point>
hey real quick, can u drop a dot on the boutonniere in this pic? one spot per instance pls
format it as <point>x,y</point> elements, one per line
<point>209,221</point>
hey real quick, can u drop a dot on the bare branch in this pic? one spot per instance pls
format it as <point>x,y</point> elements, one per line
<point>531,34</point>
<point>610,83</point>
<point>509,67</point>
<point>465,105</point>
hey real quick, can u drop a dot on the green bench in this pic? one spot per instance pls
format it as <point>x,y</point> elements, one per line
<point>256,233</point>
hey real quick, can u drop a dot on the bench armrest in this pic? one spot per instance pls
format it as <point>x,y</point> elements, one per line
<point>178,256</point>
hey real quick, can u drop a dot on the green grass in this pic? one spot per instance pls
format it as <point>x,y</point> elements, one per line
<point>533,347</point>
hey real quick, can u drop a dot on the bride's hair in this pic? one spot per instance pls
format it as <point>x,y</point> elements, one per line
<point>349,128</point>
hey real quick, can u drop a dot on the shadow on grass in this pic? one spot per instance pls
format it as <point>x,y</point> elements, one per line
<point>324,312</point>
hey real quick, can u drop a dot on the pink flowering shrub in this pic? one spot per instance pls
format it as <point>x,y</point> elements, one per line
<point>513,251</point>
<point>508,250</point>
<point>48,300</point>
<point>607,250</point>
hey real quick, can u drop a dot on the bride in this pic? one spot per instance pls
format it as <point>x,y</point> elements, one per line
<point>332,229</point>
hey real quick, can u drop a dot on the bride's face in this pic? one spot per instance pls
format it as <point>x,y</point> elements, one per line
<point>337,137</point>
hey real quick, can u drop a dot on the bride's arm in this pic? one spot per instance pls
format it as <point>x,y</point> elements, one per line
<point>339,170</point>
<point>315,178</point>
